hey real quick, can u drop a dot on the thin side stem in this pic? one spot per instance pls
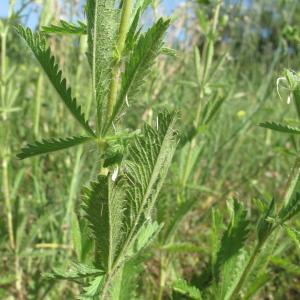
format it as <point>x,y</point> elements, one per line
<point>246,271</point>
<point>8,203</point>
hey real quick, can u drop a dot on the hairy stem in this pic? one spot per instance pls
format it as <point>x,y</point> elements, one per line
<point>123,29</point>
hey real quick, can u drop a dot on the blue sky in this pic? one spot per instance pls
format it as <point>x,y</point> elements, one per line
<point>169,5</point>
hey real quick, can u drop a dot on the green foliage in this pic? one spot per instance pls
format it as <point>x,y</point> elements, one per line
<point>280,127</point>
<point>66,28</point>
<point>52,145</point>
<point>103,207</point>
<point>137,67</point>
<point>135,200</point>
<point>76,271</point>
<point>182,287</point>
<point>36,42</point>
<point>235,235</point>
<point>291,209</point>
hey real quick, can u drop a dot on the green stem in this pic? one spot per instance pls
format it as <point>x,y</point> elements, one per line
<point>8,203</point>
<point>291,186</point>
<point>123,29</point>
<point>38,106</point>
<point>246,271</point>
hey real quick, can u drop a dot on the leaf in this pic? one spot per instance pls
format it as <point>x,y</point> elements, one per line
<point>234,237</point>
<point>291,209</point>
<point>129,280</point>
<point>143,173</point>
<point>103,205</point>
<point>146,167</point>
<point>52,145</point>
<point>286,265</point>
<point>133,33</point>
<point>7,279</point>
<point>102,28</point>
<point>232,270</point>
<point>66,28</point>
<point>182,287</point>
<point>280,127</point>
<point>139,63</point>
<point>293,234</point>
<point>76,271</point>
<point>211,108</point>
<point>265,227</point>
<point>93,289</point>
<point>36,42</point>
<point>255,286</point>
<point>144,237</point>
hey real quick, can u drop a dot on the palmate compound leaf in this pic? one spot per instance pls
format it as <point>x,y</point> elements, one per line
<point>52,145</point>
<point>102,28</point>
<point>280,127</point>
<point>66,28</point>
<point>139,63</point>
<point>36,42</point>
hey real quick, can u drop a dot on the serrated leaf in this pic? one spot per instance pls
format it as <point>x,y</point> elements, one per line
<point>52,145</point>
<point>139,63</point>
<point>293,234</point>
<point>291,209</point>
<point>182,287</point>
<point>286,265</point>
<point>168,51</point>
<point>91,292</point>
<point>280,127</point>
<point>66,28</point>
<point>144,237</point>
<point>232,270</point>
<point>103,205</point>
<point>76,271</point>
<point>234,237</point>
<point>37,43</point>
<point>146,167</point>
<point>265,227</point>
<point>256,285</point>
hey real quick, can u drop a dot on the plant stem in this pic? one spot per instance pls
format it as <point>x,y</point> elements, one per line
<point>246,271</point>
<point>291,186</point>
<point>163,276</point>
<point>38,106</point>
<point>123,29</point>
<point>8,202</point>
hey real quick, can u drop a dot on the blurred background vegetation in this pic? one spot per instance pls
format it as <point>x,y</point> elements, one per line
<point>228,157</point>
